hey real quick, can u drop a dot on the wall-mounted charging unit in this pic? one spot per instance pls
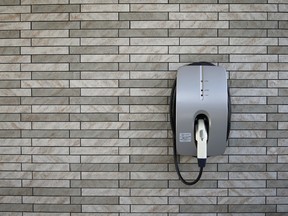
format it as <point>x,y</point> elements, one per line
<point>199,113</point>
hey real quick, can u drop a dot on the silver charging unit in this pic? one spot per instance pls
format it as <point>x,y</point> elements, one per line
<point>199,113</point>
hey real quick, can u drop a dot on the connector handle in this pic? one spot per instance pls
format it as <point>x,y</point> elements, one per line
<point>202,140</point>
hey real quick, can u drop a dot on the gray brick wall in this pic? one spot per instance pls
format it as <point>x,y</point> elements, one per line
<point>84,93</point>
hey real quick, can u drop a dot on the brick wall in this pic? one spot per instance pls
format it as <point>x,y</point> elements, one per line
<point>85,87</point>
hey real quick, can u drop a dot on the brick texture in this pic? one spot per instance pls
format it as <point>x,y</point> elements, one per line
<point>84,97</point>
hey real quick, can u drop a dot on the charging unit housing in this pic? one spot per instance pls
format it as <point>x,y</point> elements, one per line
<point>200,92</point>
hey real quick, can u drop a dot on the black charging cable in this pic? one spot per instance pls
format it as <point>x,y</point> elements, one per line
<point>201,162</point>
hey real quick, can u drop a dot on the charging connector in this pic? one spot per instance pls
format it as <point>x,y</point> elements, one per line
<point>202,139</point>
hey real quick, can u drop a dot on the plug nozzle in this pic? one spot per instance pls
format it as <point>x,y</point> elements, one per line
<point>201,138</point>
